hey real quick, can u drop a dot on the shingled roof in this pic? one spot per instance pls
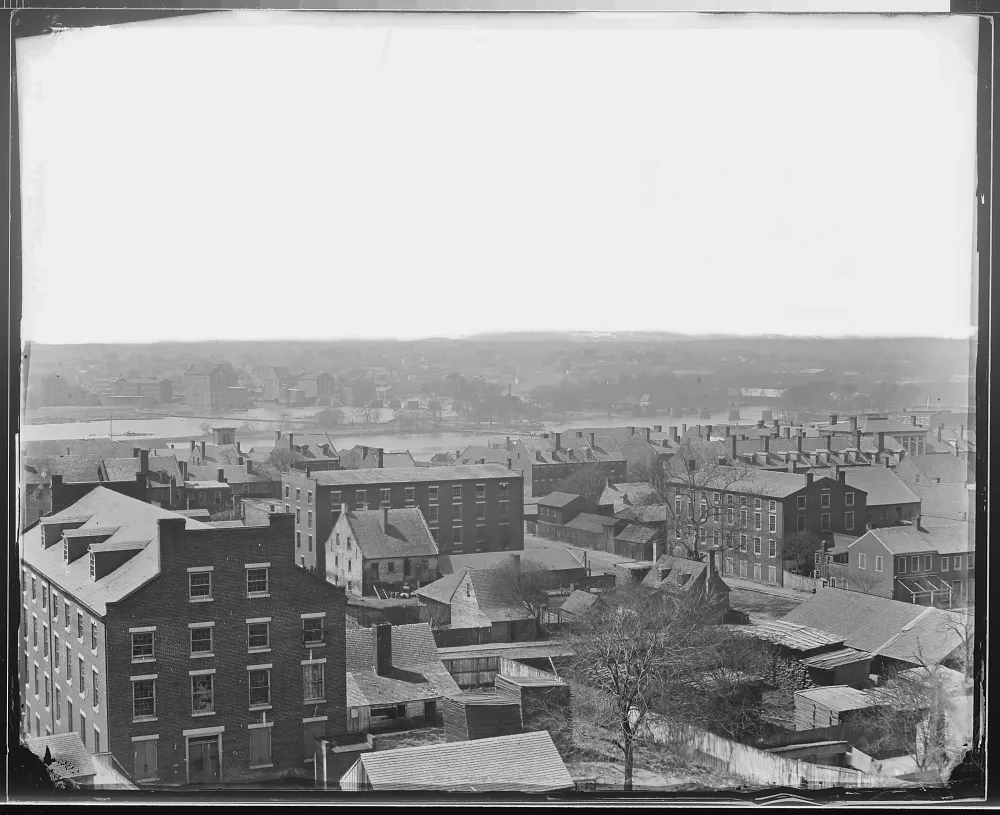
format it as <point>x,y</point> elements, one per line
<point>907,540</point>
<point>526,762</point>
<point>407,475</point>
<point>417,672</point>
<point>406,534</point>
<point>882,486</point>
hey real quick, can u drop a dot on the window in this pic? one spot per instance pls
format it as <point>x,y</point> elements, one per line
<point>260,747</point>
<point>945,562</point>
<point>756,503</point>
<point>202,693</point>
<point>309,520</point>
<point>901,565</point>
<point>298,515</point>
<point>201,498</point>
<point>432,514</point>
<point>386,495</point>
<point>309,497</point>
<point>335,501</point>
<point>81,678</point>
<point>848,520</point>
<point>66,551</point>
<point>729,500</point>
<point>729,516</point>
<point>914,564</point>
<point>145,757</point>
<point>756,520</point>
<point>313,687</point>
<point>800,502</point>
<point>772,575</point>
<point>97,740</point>
<point>928,565</point>
<point>456,535</point>
<point>314,629</point>
<point>756,546</point>
<point>287,491</point>
<point>33,597</point>
<point>45,640</point>
<point>58,705</point>
<point>201,641</point>
<point>480,512</point>
<point>677,532</point>
<point>360,496</point>
<point>93,636</point>
<point>79,625</point>
<point>848,499</point>
<point>824,522</point>
<point>143,698</point>
<point>743,543</point>
<point>260,686</point>
<point>503,490</point>
<point>957,563</point>
<point>390,567</point>
<point>772,548</point>
<point>756,571</point>
<point>258,635</point>
<point>200,585</point>
<point>69,715</point>
<point>743,518</point>
<point>743,500</point>
<point>95,688</point>
<point>298,540</point>
<point>457,512</point>
<point>55,651</point>
<point>772,506</point>
<point>83,728</point>
<point>69,664</point>
<point>878,563</point>
<point>862,560</point>
<point>432,493</point>
<point>818,558</point>
<point>409,494</point>
<point>298,494</point>
<point>55,606</point>
<point>143,646</point>
<point>257,581</point>
<point>48,692</point>
<point>480,536</point>
<point>677,506</point>
<point>45,595</point>
<point>434,535</point>
<point>800,524</point>
<point>715,498</point>
<point>456,491</point>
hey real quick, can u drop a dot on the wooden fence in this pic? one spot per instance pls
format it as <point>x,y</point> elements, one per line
<point>800,582</point>
<point>757,766</point>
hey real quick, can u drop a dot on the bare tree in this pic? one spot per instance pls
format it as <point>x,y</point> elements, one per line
<point>522,584</point>
<point>864,581</point>
<point>802,548</point>
<point>205,428</point>
<point>588,481</point>
<point>283,459</point>
<point>251,426</point>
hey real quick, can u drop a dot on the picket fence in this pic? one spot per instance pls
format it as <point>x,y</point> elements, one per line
<point>800,582</point>
<point>757,766</point>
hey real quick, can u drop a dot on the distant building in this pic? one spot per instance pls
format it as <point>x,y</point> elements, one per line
<point>206,384</point>
<point>911,436</point>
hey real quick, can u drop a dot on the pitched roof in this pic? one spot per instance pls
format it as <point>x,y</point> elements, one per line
<point>547,555</point>
<point>634,533</point>
<point>766,483</point>
<point>591,523</point>
<point>135,521</point>
<point>557,499</point>
<point>838,697</point>
<point>121,469</point>
<point>417,672</point>
<point>527,762</point>
<point>579,603</point>
<point>165,466</point>
<point>906,540</point>
<point>71,759</point>
<point>403,459</point>
<point>73,469</point>
<point>444,589</point>
<point>950,469</point>
<point>648,514</point>
<point>902,631</point>
<point>881,485</point>
<point>406,475</point>
<point>836,659</point>
<point>946,501</point>
<point>794,636</point>
<point>866,425</point>
<point>628,494</point>
<point>406,535</point>
<point>233,473</point>
<point>492,598</point>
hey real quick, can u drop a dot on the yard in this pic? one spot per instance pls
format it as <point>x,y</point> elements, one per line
<point>763,607</point>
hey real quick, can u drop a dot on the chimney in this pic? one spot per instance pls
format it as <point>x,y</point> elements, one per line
<point>857,439</point>
<point>854,423</point>
<point>144,461</point>
<point>558,440</point>
<point>510,464</point>
<point>791,466</point>
<point>291,442</point>
<point>788,432</point>
<point>728,431</point>
<point>192,445</point>
<point>760,424</point>
<point>382,648</point>
<point>829,442</point>
<point>708,431</point>
<point>833,418</point>
<point>732,446</point>
<point>940,431</point>
<point>809,479</point>
<point>962,432</point>
<point>383,519</point>
<point>277,436</point>
<point>249,465</point>
<point>592,444</point>
<point>887,461</point>
<point>173,492</point>
<point>684,428</point>
<point>222,475</point>
<point>203,451</point>
<point>913,420</point>
<point>648,431</point>
<point>798,444</point>
<point>381,458</point>
<point>765,444</point>
<point>515,562</point>
<point>842,476</point>
<point>508,443</point>
<point>711,562</point>
<point>777,426</point>
<point>239,452</point>
<point>135,452</point>
<point>674,435</point>
<point>184,469</point>
<point>631,431</point>
<point>881,441</point>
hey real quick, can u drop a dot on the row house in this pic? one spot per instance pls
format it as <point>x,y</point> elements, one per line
<point>315,451</point>
<point>380,550</point>
<point>934,566</point>
<point>467,508</point>
<point>910,435</point>
<point>749,513</point>
<point>235,684</point>
<point>242,479</point>
<point>206,384</point>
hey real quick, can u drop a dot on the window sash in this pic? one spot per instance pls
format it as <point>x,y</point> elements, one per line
<point>201,640</point>
<point>257,581</point>
<point>259,683</point>
<point>258,635</point>
<point>143,698</point>
<point>314,628</point>
<point>202,693</point>
<point>200,584</point>
<point>143,645</point>
<point>313,681</point>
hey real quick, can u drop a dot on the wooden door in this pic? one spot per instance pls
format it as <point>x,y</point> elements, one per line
<point>203,760</point>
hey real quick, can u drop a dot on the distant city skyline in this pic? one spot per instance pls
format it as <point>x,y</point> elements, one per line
<point>580,174</point>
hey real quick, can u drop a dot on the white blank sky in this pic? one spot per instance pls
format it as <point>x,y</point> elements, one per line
<point>280,175</point>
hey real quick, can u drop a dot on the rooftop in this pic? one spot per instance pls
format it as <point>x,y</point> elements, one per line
<point>71,759</point>
<point>795,636</point>
<point>527,762</point>
<point>866,425</point>
<point>579,603</point>
<point>406,534</point>
<point>838,697</point>
<point>557,499</point>
<point>546,554</point>
<point>881,484</point>
<point>587,522</point>
<point>407,475</point>
<point>906,540</point>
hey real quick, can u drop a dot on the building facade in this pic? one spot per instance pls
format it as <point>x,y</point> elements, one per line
<point>467,508</point>
<point>235,684</point>
<point>206,384</point>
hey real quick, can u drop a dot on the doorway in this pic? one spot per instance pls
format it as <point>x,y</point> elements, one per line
<point>203,759</point>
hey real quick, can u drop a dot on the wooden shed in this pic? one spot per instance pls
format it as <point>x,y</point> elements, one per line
<point>546,704</point>
<point>844,666</point>
<point>469,716</point>
<point>828,706</point>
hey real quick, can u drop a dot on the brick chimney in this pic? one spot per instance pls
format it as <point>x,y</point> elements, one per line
<point>881,441</point>
<point>809,479</point>
<point>383,519</point>
<point>631,431</point>
<point>249,465</point>
<point>833,418</point>
<point>788,432</point>
<point>508,444</point>
<point>382,649</point>
<point>760,424</point>
<point>732,446</point>
<point>913,420</point>
<point>765,444</point>
<point>684,428</point>
<point>648,431</point>
<point>381,458</point>
<point>777,426</point>
<point>854,423</point>
<point>940,430</point>
<point>144,461</point>
<point>192,445</point>
<point>592,443</point>
<point>791,466</point>
<point>558,437</point>
<point>857,439</point>
<point>674,435</point>
<point>829,442</point>
<point>203,451</point>
<point>291,441</point>
<point>184,469</point>
<point>962,432</point>
<point>135,452</point>
<point>222,475</point>
<point>728,431</point>
<point>510,464</point>
<point>798,443</point>
<point>173,492</point>
<point>708,431</point>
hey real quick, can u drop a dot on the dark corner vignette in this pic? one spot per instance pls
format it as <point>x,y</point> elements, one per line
<point>26,772</point>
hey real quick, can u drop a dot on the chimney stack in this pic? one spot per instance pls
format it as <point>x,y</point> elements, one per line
<point>962,432</point>
<point>788,432</point>
<point>777,426</point>
<point>829,442</point>
<point>184,469</point>
<point>238,450</point>
<point>684,428</point>
<point>510,464</point>
<point>765,444</point>
<point>732,446</point>
<point>558,440</point>
<point>833,418</point>
<point>291,441</point>
<point>383,519</point>
<point>648,431</point>
<point>508,443</point>
<point>798,444</point>
<point>144,461</point>
<point>221,475</point>
<point>135,452</point>
<point>881,441</point>
<point>760,424</point>
<point>728,431</point>
<point>192,445</point>
<point>940,430</point>
<point>173,492</point>
<point>699,432</point>
<point>809,479</point>
<point>249,465</point>
<point>382,648</point>
<point>842,476</point>
<point>791,466</point>
<point>381,458</point>
<point>203,452</point>
<point>857,439</point>
<point>854,423</point>
<point>913,420</point>
<point>592,444</point>
<point>674,435</point>
<point>708,431</point>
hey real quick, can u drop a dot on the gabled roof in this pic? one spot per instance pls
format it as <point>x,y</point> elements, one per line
<point>648,514</point>
<point>165,466</point>
<point>121,469</point>
<point>491,598</point>
<point>557,499</point>
<point>406,535</point>
<point>636,534</point>
<point>794,636</point>
<point>950,502</point>
<point>950,469</point>
<point>866,425</point>
<point>766,483</point>
<point>881,484</point>
<point>234,474</point>
<point>406,475</point>
<point>838,697</point>
<point>549,555</point>
<point>901,631</point>
<point>591,523</point>
<point>627,494</point>
<point>73,469</point>
<point>403,459</point>
<point>444,589</point>
<point>417,671</point>
<point>909,540</point>
<point>527,762</point>
<point>71,759</point>
<point>579,603</point>
<point>135,521</point>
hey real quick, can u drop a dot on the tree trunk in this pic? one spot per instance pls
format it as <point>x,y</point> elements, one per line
<point>629,759</point>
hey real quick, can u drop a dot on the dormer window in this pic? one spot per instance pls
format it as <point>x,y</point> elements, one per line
<point>93,565</point>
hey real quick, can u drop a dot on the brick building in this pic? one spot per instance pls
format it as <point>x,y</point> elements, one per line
<point>910,435</point>
<point>467,508</point>
<point>206,384</point>
<point>749,513</point>
<point>235,684</point>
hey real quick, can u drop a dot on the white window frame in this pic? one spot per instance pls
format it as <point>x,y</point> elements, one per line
<point>145,717</point>
<point>151,630</point>
<point>309,663</point>
<point>878,563</point>
<point>862,560</point>
<point>800,502</point>
<point>192,627</point>
<point>266,567</point>
<point>848,499</point>
<point>192,677</point>
<point>199,570</point>
<point>255,649</point>
<point>848,521</point>
<point>265,669</point>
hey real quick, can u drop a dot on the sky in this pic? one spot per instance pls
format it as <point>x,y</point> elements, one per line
<point>274,175</point>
